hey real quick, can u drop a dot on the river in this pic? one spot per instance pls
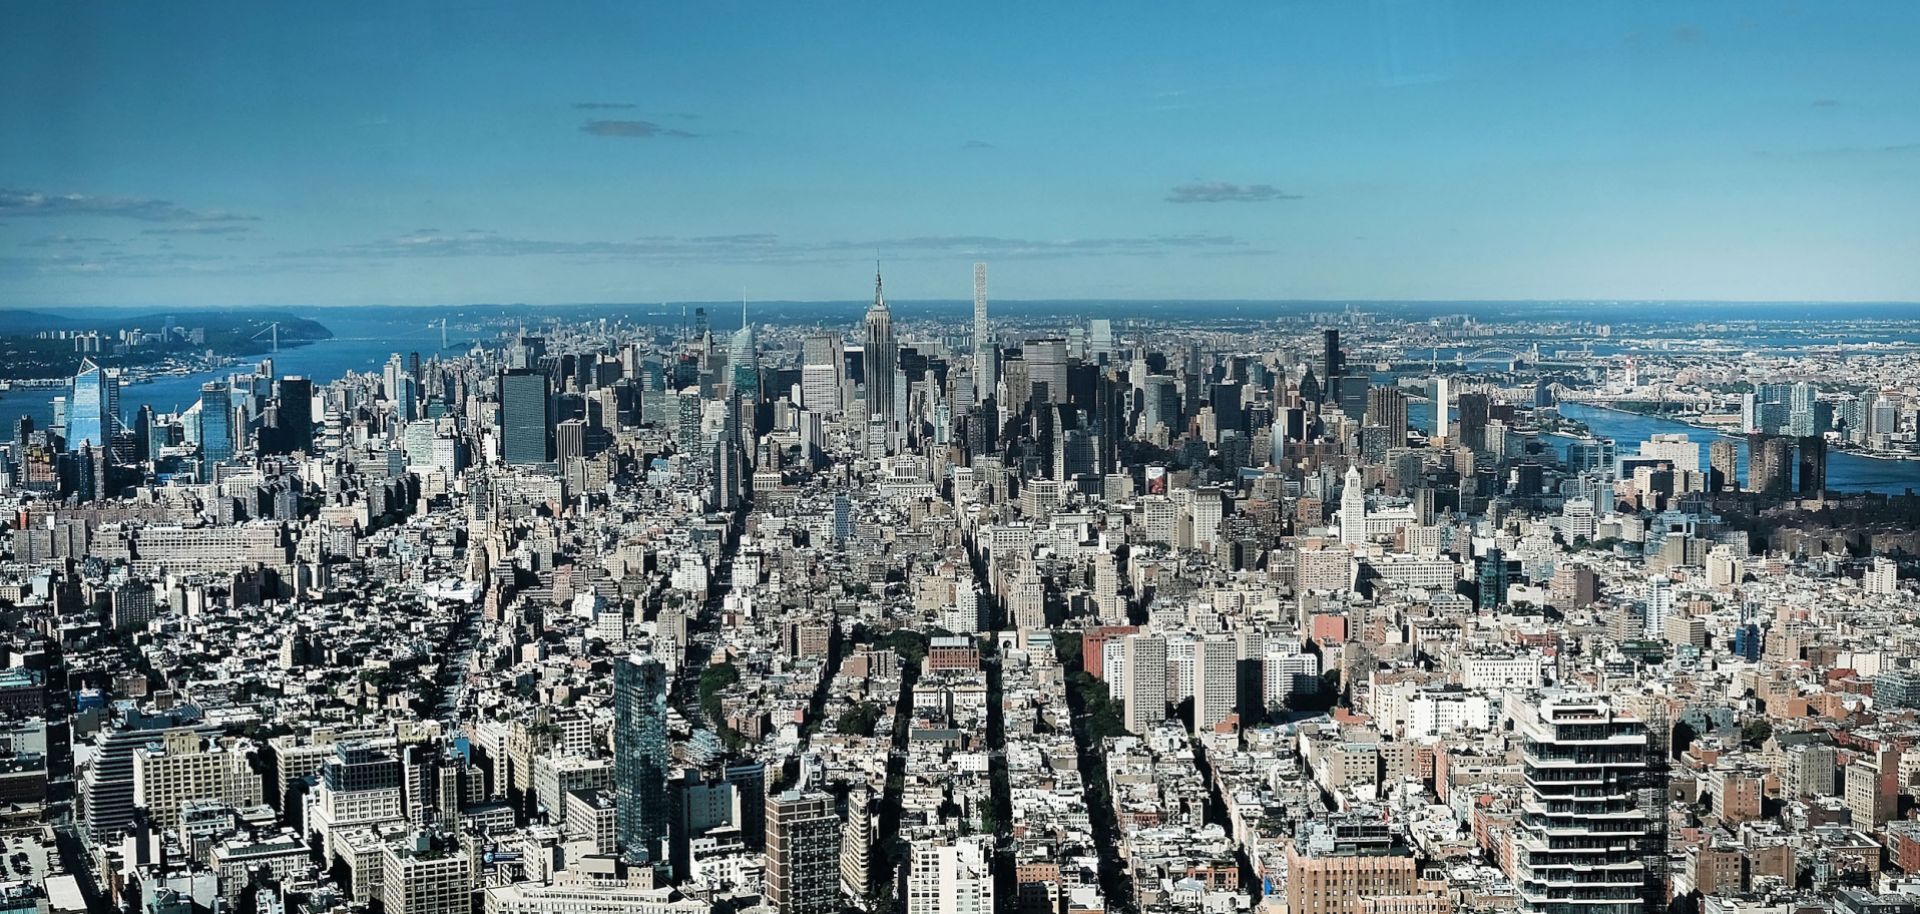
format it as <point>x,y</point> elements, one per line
<point>1845,472</point>
<point>359,344</point>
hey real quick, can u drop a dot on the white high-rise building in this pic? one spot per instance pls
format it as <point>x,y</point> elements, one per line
<point>1883,579</point>
<point>1578,848</point>
<point>1577,518</point>
<point>1146,677</point>
<point>1659,603</point>
<point>1677,449</point>
<point>951,876</point>
<point>1353,508</point>
<point>1180,651</point>
<point>1106,590</point>
<point>1113,660</point>
<point>1207,509</point>
<point>1216,680</point>
<point>1441,405</point>
<point>1286,669</point>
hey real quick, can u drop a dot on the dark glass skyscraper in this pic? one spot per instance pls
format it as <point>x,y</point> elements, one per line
<point>640,758</point>
<point>1331,365</point>
<point>1813,464</point>
<point>1474,413</point>
<point>526,417</point>
<point>292,431</point>
<point>216,426</point>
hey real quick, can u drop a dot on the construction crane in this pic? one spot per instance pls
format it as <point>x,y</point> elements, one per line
<point>273,328</point>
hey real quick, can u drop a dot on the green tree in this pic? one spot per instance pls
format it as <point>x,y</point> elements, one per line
<point>714,680</point>
<point>858,720</point>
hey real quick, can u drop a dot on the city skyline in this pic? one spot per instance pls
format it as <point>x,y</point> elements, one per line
<point>1386,152</point>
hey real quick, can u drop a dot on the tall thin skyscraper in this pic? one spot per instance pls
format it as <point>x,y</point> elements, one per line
<point>92,410</point>
<point>1353,508</point>
<point>640,758</point>
<point>881,361</point>
<point>986,375</point>
<point>743,359</point>
<point>1145,689</point>
<point>216,426</point>
<point>1331,364</point>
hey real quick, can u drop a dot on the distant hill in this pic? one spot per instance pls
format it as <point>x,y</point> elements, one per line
<point>227,333</point>
<point>14,321</point>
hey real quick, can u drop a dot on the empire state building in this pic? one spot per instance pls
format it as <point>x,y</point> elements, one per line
<point>880,360</point>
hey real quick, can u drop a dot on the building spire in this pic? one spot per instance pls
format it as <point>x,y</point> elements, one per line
<point>879,300</point>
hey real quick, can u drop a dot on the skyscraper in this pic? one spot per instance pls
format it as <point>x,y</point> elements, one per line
<point>803,853</point>
<point>93,409</point>
<point>743,360</point>
<point>526,417</point>
<point>1353,508</point>
<point>1658,605</point>
<point>856,842</point>
<point>1332,365</point>
<point>292,431</point>
<point>1387,408</point>
<point>986,375</point>
<point>1047,364</point>
<point>1578,847</point>
<point>1769,464</point>
<point>216,426</point>
<point>1216,680</point>
<point>1723,465</point>
<point>1813,465</point>
<point>1474,413</point>
<point>640,757</point>
<point>1494,579</point>
<point>1146,681</point>
<point>880,360</point>
<point>821,372</point>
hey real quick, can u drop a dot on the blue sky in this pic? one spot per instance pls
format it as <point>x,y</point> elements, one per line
<point>413,153</point>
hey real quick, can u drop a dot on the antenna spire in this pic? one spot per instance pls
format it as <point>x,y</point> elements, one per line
<point>878,299</point>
